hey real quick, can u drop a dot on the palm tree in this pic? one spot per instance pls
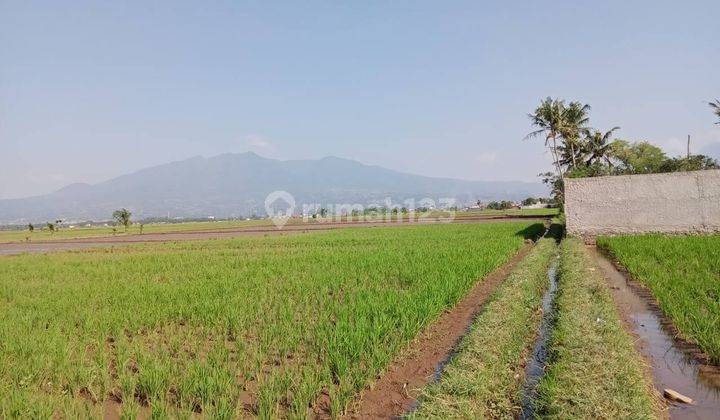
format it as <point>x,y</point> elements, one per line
<point>574,121</point>
<point>716,108</point>
<point>597,145</point>
<point>548,118</point>
<point>570,155</point>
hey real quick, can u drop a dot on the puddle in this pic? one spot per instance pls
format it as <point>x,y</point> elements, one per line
<point>671,366</point>
<point>535,369</point>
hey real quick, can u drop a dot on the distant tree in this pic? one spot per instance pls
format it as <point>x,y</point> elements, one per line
<point>529,201</point>
<point>30,227</point>
<point>716,109</point>
<point>500,205</point>
<point>574,122</point>
<point>122,217</point>
<point>562,126</point>
<point>690,163</point>
<point>557,189</point>
<point>598,146</point>
<point>51,227</point>
<point>637,158</point>
<point>323,212</point>
<point>548,118</point>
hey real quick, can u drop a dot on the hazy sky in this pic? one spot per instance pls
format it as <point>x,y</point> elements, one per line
<point>92,90</point>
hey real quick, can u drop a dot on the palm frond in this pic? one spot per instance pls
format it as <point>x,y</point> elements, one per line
<point>716,108</point>
<point>609,133</point>
<point>534,134</point>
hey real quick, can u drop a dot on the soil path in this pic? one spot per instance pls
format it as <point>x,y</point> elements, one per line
<point>396,391</point>
<point>11,248</point>
<point>674,364</point>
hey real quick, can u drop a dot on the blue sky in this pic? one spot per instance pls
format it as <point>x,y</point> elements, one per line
<point>92,90</point>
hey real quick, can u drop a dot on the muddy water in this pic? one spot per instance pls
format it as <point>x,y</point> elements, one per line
<point>671,366</point>
<point>536,365</point>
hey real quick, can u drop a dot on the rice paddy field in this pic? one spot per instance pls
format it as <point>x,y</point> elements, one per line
<point>683,274</point>
<point>269,327</point>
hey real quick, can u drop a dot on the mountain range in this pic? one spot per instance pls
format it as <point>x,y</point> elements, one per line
<point>236,185</point>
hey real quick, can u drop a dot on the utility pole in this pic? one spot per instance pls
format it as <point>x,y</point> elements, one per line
<point>688,147</point>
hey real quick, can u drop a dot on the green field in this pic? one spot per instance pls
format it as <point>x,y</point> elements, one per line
<point>41,233</point>
<point>262,326</point>
<point>683,273</point>
<point>594,371</point>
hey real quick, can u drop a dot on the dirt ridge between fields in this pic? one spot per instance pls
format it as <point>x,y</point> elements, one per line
<point>395,391</point>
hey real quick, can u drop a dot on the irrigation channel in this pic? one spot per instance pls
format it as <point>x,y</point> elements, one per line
<point>535,369</point>
<point>672,366</point>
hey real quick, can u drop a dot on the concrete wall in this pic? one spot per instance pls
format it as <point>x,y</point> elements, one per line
<point>680,202</point>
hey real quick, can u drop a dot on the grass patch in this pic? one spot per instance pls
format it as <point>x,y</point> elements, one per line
<point>485,378</point>
<point>230,327</point>
<point>683,273</point>
<point>594,371</point>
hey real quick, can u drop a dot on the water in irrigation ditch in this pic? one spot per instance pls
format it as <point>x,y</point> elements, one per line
<point>535,369</point>
<point>672,367</point>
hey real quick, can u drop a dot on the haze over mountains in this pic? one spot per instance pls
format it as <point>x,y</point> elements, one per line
<point>236,185</point>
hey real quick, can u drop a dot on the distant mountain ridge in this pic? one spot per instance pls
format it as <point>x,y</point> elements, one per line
<point>236,185</point>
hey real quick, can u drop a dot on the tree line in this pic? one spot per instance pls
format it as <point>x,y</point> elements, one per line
<point>579,150</point>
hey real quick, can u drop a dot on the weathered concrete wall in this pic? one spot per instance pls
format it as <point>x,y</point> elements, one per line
<point>680,202</point>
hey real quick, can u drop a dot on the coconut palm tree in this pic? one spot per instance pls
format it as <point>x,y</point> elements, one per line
<point>570,152</point>
<point>548,118</point>
<point>716,108</point>
<point>574,122</point>
<point>597,145</point>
